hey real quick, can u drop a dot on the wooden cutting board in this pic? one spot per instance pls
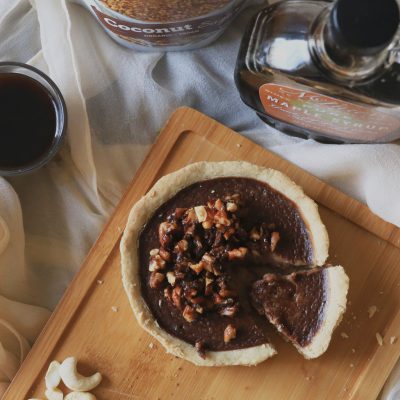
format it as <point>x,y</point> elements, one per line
<point>94,322</point>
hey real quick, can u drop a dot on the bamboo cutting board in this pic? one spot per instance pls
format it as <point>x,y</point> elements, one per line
<point>94,322</point>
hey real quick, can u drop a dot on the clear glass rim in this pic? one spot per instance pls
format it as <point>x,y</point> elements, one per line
<point>60,110</point>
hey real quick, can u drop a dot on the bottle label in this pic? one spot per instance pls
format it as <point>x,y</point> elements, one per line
<point>326,115</point>
<point>164,33</point>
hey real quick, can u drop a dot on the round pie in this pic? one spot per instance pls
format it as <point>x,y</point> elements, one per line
<point>217,253</point>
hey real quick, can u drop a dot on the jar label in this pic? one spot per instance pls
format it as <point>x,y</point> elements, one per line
<point>325,114</point>
<point>168,32</point>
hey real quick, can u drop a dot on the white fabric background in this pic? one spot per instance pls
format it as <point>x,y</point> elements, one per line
<point>117,101</point>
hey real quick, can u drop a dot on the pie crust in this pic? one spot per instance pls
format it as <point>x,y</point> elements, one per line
<point>164,190</point>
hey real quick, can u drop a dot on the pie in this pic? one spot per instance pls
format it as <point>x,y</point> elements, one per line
<point>209,246</point>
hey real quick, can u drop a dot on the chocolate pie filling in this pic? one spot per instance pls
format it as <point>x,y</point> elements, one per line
<point>202,251</point>
<point>294,303</point>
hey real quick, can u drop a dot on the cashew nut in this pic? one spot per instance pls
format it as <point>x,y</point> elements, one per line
<point>74,380</point>
<point>53,377</point>
<point>54,394</point>
<point>80,396</point>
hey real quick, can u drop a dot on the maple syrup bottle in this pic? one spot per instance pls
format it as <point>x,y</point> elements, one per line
<point>328,71</point>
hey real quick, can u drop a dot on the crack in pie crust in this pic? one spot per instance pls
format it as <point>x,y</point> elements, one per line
<point>197,242</point>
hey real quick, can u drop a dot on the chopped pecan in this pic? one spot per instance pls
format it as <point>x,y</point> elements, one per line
<point>156,279</point>
<point>222,218</point>
<point>154,252</point>
<point>219,205</point>
<point>176,296</point>
<point>228,233</point>
<point>217,298</point>
<point>165,255</point>
<point>167,293</point>
<point>190,292</point>
<point>274,240</point>
<point>171,278</point>
<point>238,253</point>
<point>207,224</point>
<point>190,216</point>
<point>181,246</point>
<point>189,314</point>
<point>233,197</point>
<point>229,333</point>
<point>199,309</point>
<point>197,267</point>
<point>165,232</point>
<point>229,311</point>
<point>231,207</point>
<point>201,213</point>
<point>156,263</point>
<point>208,261</point>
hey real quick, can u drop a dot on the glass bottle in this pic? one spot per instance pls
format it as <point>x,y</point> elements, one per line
<point>328,71</point>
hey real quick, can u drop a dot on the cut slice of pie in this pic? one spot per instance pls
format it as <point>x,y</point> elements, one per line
<point>304,306</point>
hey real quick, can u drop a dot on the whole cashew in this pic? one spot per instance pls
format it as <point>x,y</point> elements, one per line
<point>53,377</point>
<point>54,394</point>
<point>74,380</point>
<point>80,396</point>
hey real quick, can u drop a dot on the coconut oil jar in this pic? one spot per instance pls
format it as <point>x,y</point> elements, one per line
<point>161,25</point>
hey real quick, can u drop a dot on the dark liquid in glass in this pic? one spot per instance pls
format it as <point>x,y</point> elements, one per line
<point>27,120</point>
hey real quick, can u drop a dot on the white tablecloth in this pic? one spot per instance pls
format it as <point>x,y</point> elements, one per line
<point>117,102</point>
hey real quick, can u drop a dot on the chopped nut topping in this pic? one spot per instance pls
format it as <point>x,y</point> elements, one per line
<point>156,263</point>
<point>189,314</point>
<point>229,311</point>
<point>176,296</point>
<point>393,339</point>
<point>207,224</point>
<point>154,252</point>
<point>229,333</point>
<point>239,253</point>
<point>197,267</point>
<point>231,207</point>
<point>195,246</point>
<point>181,246</point>
<point>171,278</point>
<point>201,213</point>
<point>156,279</point>
<point>219,205</point>
<point>165,255</point>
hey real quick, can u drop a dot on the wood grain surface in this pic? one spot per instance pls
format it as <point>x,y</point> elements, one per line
<point>94,322</point>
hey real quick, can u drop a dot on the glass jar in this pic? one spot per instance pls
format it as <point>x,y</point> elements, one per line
<point>323,70</point>
<point>34,118</point>
<point>164,25</point>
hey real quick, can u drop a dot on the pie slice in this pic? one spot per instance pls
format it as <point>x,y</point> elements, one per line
<point>304,306</point>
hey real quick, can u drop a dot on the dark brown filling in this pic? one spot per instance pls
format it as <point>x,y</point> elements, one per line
<point>294,303</point>
<point>203,249</point>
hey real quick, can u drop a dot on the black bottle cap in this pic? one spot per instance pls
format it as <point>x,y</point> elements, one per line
<point>365,26</point>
